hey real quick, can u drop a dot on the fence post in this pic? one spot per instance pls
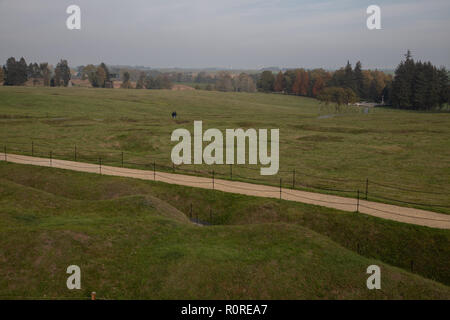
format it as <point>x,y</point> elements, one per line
<point>100,164</point>
<point>357,204</point>
<point>280,188</point>
<point>213,178</point>
<point>231,171</point>
<point>75,152</point>
<point>122,159</point>
<point>51,158</point>
<point>32,148</point>
<point>154,170</point>
<point>367,187</point>
<point>293,179</point>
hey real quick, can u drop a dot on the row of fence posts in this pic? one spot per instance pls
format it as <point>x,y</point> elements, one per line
<point>213,172</point>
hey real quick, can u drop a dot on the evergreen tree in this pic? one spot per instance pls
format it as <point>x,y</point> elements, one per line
<point>420,86</point>
<point>349,78</point>
<point>289,78</point>
<point>266,81</point>
<point>107,83</point>
<point>62,74</point>
<point>126,84</point>
<point>443,86</point>
<point>15,72</point>
<point>359,79</point>
<point>90,72</point>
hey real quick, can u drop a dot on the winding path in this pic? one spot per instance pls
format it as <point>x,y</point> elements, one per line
<point>381,210</point>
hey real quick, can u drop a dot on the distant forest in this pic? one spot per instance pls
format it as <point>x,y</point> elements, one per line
<point>415,85</point>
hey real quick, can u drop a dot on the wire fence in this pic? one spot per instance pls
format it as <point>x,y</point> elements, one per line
<point>365,189</point>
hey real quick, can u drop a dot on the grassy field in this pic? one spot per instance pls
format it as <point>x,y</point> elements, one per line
<point>132,239</point>
<point>404,151</point>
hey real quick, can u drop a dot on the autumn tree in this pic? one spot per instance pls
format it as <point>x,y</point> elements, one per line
<point>301,83</point>
<point>338,95</point>
<point>245,83</point>
<point>296,86</point>
<point>45,72</point>
<point>224,81</point>
<point>100,77</point>
<point>140,84</point>
<point>318,86</point>
<point>304,83</point>
<point>279,83</point>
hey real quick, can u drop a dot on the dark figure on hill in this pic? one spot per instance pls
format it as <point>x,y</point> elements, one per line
<point>174,115</point>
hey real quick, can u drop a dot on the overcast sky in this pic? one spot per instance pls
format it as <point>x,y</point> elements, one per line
<point>226,33</point>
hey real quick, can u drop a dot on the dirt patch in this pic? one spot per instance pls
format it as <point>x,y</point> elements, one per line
<point>182,87</point>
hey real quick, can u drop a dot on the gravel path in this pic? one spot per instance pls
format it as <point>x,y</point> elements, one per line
<point>386,211</point>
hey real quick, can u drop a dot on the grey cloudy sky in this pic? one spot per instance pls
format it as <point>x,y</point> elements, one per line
<point>227,33</point>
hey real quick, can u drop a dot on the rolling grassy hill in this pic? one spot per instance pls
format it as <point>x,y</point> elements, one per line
<point>132,240</point>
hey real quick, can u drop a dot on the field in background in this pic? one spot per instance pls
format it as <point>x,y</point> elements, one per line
<point>404,154</point>
<point>132,240</point>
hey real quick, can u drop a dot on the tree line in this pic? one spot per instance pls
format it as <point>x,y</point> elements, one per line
<point>416,85</point>
<point>17,73</point>
<point>353,83</point>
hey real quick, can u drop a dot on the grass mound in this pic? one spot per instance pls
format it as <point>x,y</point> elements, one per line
<point>132,240</point>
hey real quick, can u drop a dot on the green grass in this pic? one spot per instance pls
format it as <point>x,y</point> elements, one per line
<point>392,147</point>
<point>132,239</point>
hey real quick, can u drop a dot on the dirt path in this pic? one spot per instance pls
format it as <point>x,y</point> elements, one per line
<point>386,211</point>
